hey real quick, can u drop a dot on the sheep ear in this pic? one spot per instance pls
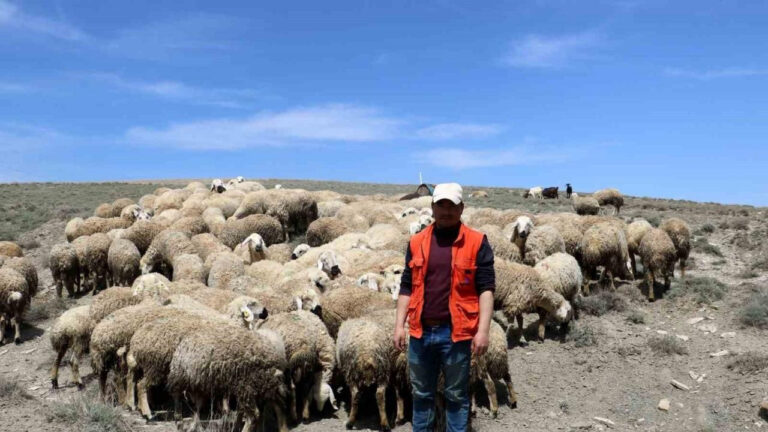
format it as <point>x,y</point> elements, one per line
<point>246,313</point>
<point>298,303</point>
<point>372,284</point>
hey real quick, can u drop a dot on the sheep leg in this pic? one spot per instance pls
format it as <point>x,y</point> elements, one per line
<point>634,264</point>
<point>542,327</point>
<point>141,390</point>
<point>16,323</point>
<point>354,399</point>
<point>381,401</point>
<point>130,386</point>
<point>511,394</point>
<point>649,282</point>
<point>400,418</point>
<point>305,408</point>
<point>519,337</point>
<point>59,287</point>
<point>490,388</point>
<point>56,363</point>
<point>682,268</point>
<point>103,374</point>
<point>2,329</point>
<point>282,425</point>
<point>293,405</point>
<point>74,364</point>
<point>70,286</point>
<point>198,401</point>
<point>585,287</point>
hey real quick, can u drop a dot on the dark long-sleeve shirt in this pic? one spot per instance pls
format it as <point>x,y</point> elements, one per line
<point>437,281</point>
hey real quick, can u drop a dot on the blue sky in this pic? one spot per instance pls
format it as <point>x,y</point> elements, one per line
<point>655,98</point>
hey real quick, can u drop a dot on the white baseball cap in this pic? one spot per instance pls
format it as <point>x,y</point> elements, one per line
<point>449,191</point>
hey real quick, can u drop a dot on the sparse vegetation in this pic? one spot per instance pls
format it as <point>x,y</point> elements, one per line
<point>10,389</point>
<point>702,289</point>
<point>749,363</point>
<point>628,351</point>
<point>83,411</point>
<point>581,336</point>
<point>667,345</point>
<point>702,245</point>
<point>708,228</point>
<point>636,317</point>
<point>755,312</point>
<point>603,302</point>
<point>44,308</point>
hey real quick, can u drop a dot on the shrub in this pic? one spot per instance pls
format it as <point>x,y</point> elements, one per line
<point>12,390</point>
<point>636,317</point>
<point>602,302</point>
<point>654,220</point>
<point>581,336</point>
<point>740,224</point>
<point>702,245</point>
<point>45,308</point>
<point>754,313</point>
<point>749,363</point>
<point>667,345</point>
<point>708,228</point>
<point>704,289</point>
<point>83,412</point>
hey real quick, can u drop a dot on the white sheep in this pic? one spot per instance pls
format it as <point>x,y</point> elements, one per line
<point>534,192</point>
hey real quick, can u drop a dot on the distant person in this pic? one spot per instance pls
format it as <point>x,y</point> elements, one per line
<point>568,190</point>
<point>446,294</point>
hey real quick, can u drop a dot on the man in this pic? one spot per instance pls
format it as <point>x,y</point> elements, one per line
<point>446,294</point>
<point>568,190</point>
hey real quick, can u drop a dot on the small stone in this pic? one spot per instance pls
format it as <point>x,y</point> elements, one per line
<point>640,421</point>
<point>708,328</point>
<point>728,334</point>
<point>662,332</point>
<point>693,375</point>
<point>701,378</point>
<point>679,385</point>
<point>695,320</point>
<point>583,425</point>
<point>719,353</point>
<point>604,421</point>
<point>664,405</point>
<point>3,352</point>
<point>29,351</point>
<point>683,338</point>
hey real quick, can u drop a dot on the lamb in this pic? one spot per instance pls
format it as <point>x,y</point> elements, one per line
<point>584,205</point>
<point>680,234</point>
<point>65,268</point>
<point>10,249</point>
<point>491,367</point>
<point>72,330</point>
<point>14,300</point>
<point>609,197</point>
<point>604,245</point>
<point>324,230</point>
<point>635,232</point>
<point>141,233</point>
<point>309,349</point>
<point>164,248</point>
<point>349,302</point>
<point>123,260</point>
<point>362,350</point>
<point>542,242</point>
<point>224,267</point>
<point>191,225</point>
<point>534,192</point>
<point>520,289</point>
<point>207,244</point>
<point>658,254</point>
<point>252,249</point>
<point>189,267</point>
<point>219,361</point>
<point>97,259</point>
<point>237,230</point>
<point>562,274</point>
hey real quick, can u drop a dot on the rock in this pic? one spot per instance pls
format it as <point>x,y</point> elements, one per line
<point>679,385</point>
<point>701,378</point>
<point>693,375</point>
<point>707,328</point>
<point>664,405</point>
<point>604,421</point>
<point>683,338</point>
<point>695,320</point>
<point>728,335</point>
<point>29,351</point>
<point>582,425</point>
<point>662,332</point>
<point>719,353</point>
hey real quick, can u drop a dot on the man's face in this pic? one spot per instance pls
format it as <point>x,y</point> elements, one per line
<point>446,213</point>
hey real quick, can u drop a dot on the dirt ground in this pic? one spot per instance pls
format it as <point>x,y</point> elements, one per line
<point>562,385</point>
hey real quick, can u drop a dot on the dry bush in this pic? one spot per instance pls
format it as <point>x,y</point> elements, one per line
<point>749,363</point>
<point>702,289</point>
<point>602,302</point>
<point>702,245</point>
<point>12,390</point>
<point>636,317</point>
<point>581,336</point>
<point>667,345</point>
<point>754,313</point>
<point>85,412</point>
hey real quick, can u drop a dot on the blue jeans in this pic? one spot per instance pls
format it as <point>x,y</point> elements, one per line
<point>426,358</point>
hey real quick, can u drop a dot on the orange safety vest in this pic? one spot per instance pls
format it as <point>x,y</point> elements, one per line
<point>463,302</point>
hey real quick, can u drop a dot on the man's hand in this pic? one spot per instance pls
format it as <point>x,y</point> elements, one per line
<point>479,343</point>
<point>399,337</point>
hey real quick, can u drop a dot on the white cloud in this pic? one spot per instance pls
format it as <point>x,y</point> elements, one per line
<point>451,131</point>
<point>459,159</point>
<point>731,72</point>
<point>536,51</point>
<point>13,17</point>
<point>310,125</point>
<point>231,98</point>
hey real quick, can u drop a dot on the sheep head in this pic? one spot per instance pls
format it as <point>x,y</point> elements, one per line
<point>299,251</point>
<point>328,263</point>
<point>308,299</point>
<point>322,393</point>
<point>564,313</point>
<point>369,280</point>
<point>217,185</point>
<point>523,227</point>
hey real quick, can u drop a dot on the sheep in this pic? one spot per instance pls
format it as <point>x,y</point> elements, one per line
<point>235,307</point>
<point>542,242</point>
<point>217,185</point>
<point>26,268</point>
<point>154,285</point>
<point>308,349</point>
<point>224,267</point>
<point>570,233</point>
<point>362,350</point>
<point>279,252</point>
<point>171,200</point>
<point>219,361</point>
<point>561,273</point>
<point>680,234</point>
<point>264,273</point>
<point>250,186</point>
<point>72,330</point>
<point>328,263</point>
<point>294,209</point>
<point>72,228</point>
<point>501,245</point>
<point>116,233</point>
<point>10,249</point>
<point>635,232</point>
<point>103,210</point>
<point>123,260</point>
<point>252,249</point>
<point>534,192</point>
<point>609,197</point>
<point>274,300</point>
<point>407,212</point>
<point>65,268</point>
<point>168,217</point>
<point>207,244</point>
<point>141,233</point>
<point>214,219</point>
<point>584,205</point>
<point>361,215</point>
<point>147,201</point>
<point>112,299</point>
<point>386,236</point>
<point>605,245</point>
<point>521,228</point>
<point>329,208</point>
<point>550,192</point>
<point>94,225</point>
<point>493,366</point>
<point>97,259</point>
<point>191,225</point>
<point>134,212</point>
<point>14,300</point>
<point>520,289</point>
<point>658,254</point>
<point>83,275</point>
<point>164,248</point>
<point>349,302</point>
<point>188,267</point>
<point>237,230</point>
<point>324,230</point>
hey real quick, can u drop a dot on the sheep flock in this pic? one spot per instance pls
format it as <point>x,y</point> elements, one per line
<point>229,297</point>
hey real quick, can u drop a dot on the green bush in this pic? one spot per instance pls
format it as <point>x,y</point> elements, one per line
<point>702,245</point>
<point>708,228</point>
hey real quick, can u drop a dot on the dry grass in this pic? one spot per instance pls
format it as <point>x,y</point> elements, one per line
<point>754,313</point>
<point>749,363</point>
<point>701,289</point>
<point>12,390</point>
<point>581,336</point>
<point>85,412</point>
<point>702,245</point>
<point>667,345</point>
<point>602,302</point>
